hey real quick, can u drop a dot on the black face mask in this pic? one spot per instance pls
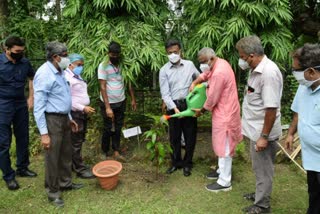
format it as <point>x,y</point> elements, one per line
<point>16,56</point>
<point>114,60</point>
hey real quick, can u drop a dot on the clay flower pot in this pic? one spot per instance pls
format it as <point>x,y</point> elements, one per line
<point>107,173</point>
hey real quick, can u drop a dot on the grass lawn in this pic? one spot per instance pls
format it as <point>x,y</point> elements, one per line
<point>139,192</point>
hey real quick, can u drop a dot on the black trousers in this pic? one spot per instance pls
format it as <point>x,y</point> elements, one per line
<point>313,179</point>
<point>78,138</point>
<point>13,113</point>
<point>108,133</point>
<point>187,126</point>
<point>58,159</point>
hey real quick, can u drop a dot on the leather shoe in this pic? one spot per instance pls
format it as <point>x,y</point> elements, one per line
<point>86,175</point>
<point>73,186</point>
<point>172,169</point>
<point>58,202</point>
<point>26,173</point>
<point>186,171</point>
<point>12,184</point>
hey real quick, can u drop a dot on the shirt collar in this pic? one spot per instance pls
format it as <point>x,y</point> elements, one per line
<point>52,68</point>
<point>178,65</point>
<point>4,59</point>
<point>261,65</point>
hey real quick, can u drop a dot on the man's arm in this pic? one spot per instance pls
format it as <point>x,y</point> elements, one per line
<point>269,119</point>
<point>292,130</point>
<point>165,92</point>
<point>103,91</point>
<point>30,100</point>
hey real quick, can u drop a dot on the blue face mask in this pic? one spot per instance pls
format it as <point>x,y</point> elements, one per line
<point>78,70</point>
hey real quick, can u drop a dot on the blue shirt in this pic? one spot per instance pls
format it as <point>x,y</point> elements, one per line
<point>175,81</point>
<point>307,104</point>
<point>13,78</point>
<point>51,94</point>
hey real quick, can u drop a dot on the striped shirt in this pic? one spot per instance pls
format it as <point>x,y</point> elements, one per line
<point>114,82</point>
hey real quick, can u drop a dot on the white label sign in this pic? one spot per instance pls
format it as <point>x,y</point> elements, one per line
<point>132,132</point>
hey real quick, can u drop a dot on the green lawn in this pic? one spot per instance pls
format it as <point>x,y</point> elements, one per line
<point>139,192</point>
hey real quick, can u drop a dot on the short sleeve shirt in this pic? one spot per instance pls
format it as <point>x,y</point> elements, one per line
<point>114,82</point>
<point>263,90</point>
<point>13,78</point>
<point>307,104</point>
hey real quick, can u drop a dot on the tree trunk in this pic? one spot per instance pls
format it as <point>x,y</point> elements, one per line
<point>58,10</point>
<point>4,13</point>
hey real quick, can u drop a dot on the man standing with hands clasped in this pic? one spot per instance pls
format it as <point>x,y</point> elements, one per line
<point>261,122</point>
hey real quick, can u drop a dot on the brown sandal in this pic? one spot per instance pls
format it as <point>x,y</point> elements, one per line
<point>249,196</point>
<point>254,209</point>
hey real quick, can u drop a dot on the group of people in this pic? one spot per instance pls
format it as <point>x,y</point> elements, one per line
<point>61,103</point>
<point>260,123</point>
<point>59,97</point>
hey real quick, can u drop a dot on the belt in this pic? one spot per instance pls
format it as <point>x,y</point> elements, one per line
<point>56,114</point>
<point>182,101</point>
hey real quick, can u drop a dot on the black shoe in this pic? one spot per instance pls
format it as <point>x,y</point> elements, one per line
<point>212,175</point>
<point>172,169</point>
<point>186,171</point>
<point>58,202</point>
<point>26,173</point>
<point>12,184</point>
<point>256,209</point>
<point>73,186</point>
<point>86,175</point>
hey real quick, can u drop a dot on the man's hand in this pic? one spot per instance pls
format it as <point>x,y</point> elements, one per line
<point>74,126</point>
<point>45,141</point>
<point>89,110</point>
<point>176,110</point>
<point>197,112</point>
<point>30,102</point>
<point>109,113</point>
<point>261,144</point>
<point>133,104</point>
<point>192,87</point>
<point>289,141</point>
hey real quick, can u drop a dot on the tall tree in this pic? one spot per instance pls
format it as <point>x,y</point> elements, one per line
<point>4,13</point>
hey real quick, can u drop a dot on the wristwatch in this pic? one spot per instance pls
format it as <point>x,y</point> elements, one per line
<point>203,110</point>
<point>265,136</point>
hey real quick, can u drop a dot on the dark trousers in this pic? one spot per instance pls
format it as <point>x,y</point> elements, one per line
<point>108,132</point>
<point>16,114</point>
<point>78,138</point>
<point>313,179</point>
<point>58,158</point>
<point>187,126</point>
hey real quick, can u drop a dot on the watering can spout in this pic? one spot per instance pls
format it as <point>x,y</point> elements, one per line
<point>195,100</point>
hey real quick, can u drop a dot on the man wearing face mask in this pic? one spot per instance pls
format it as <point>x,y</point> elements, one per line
<point>261,122</point>
<point>306,118</point>
<point>14,71</point>
<point>80,110</point>
<point>222,101</point>
<point>52,109</point>
<point>175,78</point>
<point>113,100</point>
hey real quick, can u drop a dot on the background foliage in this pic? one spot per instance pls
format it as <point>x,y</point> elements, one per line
<point>142,27</point>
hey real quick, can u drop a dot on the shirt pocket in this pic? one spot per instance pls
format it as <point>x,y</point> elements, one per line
<point>20,75</point>
<point>254,96</point>
<point>315,115</point>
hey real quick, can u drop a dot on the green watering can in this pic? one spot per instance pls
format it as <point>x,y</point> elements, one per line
<point>195,100</point>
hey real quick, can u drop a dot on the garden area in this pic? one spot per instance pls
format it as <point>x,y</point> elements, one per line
<point>142,27</point>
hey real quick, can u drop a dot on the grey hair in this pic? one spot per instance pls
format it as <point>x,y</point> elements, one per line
<point>53,48</point>
<point>309,56</point>
<point>208,52</point>
<point>250,45</point>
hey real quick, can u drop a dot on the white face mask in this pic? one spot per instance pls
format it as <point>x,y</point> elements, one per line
<point>64,63</point>
<point>204,67</point>
<point>243,64</point>
<point>174,58</point>
<point>299,75</point>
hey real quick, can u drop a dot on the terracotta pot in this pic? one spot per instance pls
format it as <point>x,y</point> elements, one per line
<point>107,173</point>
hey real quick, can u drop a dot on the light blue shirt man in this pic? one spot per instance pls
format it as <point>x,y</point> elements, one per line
<point>307,104</point>
<point>51,94</point>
